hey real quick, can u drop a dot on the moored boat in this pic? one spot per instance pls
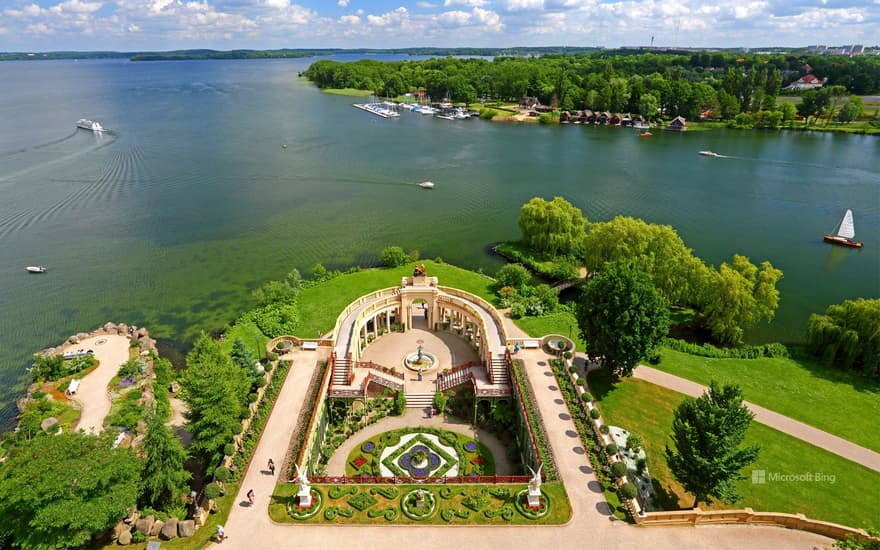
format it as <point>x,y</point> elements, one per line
<point>645,134</point>
<point>90,125</point>
<point>35,269</point>
<point>709,154</point>
<point>845,232</point>
<point>427,185</point>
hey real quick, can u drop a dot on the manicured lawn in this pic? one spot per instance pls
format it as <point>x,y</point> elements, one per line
<point>320,305</point>
<point>353,92</point>
<point>839,402</point>
<point>449,499</point>
<point>554,323</point>
<point>647,409</point>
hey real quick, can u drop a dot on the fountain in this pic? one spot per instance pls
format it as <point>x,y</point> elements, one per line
<point>420,360</point>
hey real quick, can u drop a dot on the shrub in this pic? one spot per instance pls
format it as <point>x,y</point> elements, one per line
<point>655,358</point>
<point>567,355</point>
<point>236,429</point>
<point>252,398</point>
<point>618,469</point>
<point>586,396</point>
<point>440,402</point>
<point>634,443</point>
<point>488,114</point>
<point>572,369</point>
<point>131,368</point>
<point>582,381</point>
<point>48,367</point>
<point>212,491</point>
<point>604,428</point>
<point>393,256</point>
<point>400,403</point>
<point>641,464</point>
<point>594,413</point>
<point>438,260</point>
<point>741,352</point>
<point>222,473</point>
<point>628,490</point>
<point>229,449</point>
<point>513,275</point>
<point>611,449</point>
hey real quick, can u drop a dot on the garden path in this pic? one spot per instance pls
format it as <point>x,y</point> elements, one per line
<point>92,393</point>
<point>804,432</point>
<point>250,527</point>
<point>417,417</point>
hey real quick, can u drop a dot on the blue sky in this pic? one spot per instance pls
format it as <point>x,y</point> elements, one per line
<point>41,25</point>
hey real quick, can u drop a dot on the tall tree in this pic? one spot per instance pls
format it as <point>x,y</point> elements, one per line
<point>621,317</point>
<point>164,475</point>
<point>848,335</point>
<point>554,227</point>
<point>707,432</point>
<point>60,491</point>
<point>215,391</point>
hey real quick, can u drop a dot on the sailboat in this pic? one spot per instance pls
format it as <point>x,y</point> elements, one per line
<point>844,232</point>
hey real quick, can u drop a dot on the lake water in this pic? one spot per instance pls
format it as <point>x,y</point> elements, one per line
<point>190,201</point>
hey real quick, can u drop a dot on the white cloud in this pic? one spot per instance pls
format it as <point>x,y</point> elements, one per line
<point>343,3</point>
<point>40,28</point>
<point>395,17</point>
<point>350,20</point>
<point>523,5</point>
<point>428,5</point>
<point>76,6</point>
<point>133,28</point>
<point>465,3</point>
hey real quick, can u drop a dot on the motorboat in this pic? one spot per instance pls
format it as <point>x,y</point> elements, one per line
<point>645,134</point>
<point>709,154</point>
<point>35,269</point>
<point>641,125</point>
<point>427,185</point>
<point>90,125</point>
<point>845,232</point>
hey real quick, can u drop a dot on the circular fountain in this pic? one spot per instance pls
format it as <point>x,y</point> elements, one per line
<point>420,360</point>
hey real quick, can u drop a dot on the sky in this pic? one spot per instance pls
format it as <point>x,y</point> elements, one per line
<point>155,25</point>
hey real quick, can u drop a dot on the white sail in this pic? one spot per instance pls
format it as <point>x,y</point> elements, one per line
<point>846,227</point>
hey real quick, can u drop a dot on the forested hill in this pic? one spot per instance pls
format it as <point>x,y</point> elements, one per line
<point>610,80</point>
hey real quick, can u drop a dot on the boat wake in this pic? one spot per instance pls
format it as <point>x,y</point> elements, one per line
<point>38,146</point>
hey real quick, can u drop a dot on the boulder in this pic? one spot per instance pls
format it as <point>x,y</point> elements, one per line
<point>141,427</point>
<point>73,340</point>
<point>157,528</point>
<point>122,329</point>
<point>186,528</point>
<point>120,528</point>
<point>137,441</point>
<point>109,327</point>
<point>49,425</point>
<point>169,530</point>
<point>82,336</point>
<point>124,538</point>
<point>145,525</point>
<point>175,387</point>
<point>142,333</point>
<point>132,519</point>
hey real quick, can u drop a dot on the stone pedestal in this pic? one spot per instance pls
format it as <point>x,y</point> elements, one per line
<point>534,498</point>
<point>304,497</point>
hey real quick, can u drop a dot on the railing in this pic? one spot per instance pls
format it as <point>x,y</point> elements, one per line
<point>443,480</point>
<point>379,368</point>
<point>456,376</point>
<point>383,382</point>
<point>483,303</point>
<point>515,385</point>
<point>319,402</point>
<point>360,301</point>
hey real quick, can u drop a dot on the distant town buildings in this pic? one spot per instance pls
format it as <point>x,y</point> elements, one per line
<point>852,49</point>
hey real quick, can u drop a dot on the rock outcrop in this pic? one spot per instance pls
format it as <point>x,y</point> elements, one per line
<point>169,530</point>
<point>186,528</point>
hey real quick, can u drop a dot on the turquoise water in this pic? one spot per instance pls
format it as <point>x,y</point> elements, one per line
<point>190,201</point>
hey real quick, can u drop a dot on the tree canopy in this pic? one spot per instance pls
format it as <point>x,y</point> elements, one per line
<point>165,479</point>
<point>393,256</point>
<point>60,491</point>
<point>707,432</point>
<point>554,228</point>
<point>848,335</point>
<point>621,317</point>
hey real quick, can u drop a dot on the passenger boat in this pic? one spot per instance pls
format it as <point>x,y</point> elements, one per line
<point>844,232</point>
<point>90,125</point>
<point>35,269</point>
<point>709,154</point>
<point>427,185</point>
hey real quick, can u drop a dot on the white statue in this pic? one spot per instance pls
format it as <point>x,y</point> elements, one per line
<point>304,495</point>
<point>301,478</point>
<point>534,496</point>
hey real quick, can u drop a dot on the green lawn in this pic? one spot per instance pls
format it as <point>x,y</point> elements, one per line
<point>561,322</point>
<point>448,497</point>
<point>646,409</point>
<point>839,402</point>
<point>320,305</point>
<point>353,92</point>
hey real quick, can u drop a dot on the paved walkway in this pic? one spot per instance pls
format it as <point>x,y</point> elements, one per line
<point>804,432</point>
<point>111,351</point>
<point>250,527</point>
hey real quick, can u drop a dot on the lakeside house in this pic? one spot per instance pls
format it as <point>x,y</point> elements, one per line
<point>678,124</point>
<point>807,82</point>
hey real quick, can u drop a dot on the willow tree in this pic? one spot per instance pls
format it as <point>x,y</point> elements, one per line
<point>848,335</point>
<point>552,228</point>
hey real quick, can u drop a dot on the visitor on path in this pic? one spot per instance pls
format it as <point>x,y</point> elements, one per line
<point>516,348</point>
<point>221,534</point>
<point>420,374</point>
<point>271,467</point>
<point>250,495</point>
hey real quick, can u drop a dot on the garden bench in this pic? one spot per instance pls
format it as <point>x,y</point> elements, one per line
<point>73,386</point>
<point>531,344</point>
<point>310,346</point>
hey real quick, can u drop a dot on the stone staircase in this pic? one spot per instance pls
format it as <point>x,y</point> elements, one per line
<point>498,366</point>
<point>341,371</point>
<point>419,400</point>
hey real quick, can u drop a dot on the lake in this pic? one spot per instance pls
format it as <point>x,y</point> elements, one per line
<point>190,201</point>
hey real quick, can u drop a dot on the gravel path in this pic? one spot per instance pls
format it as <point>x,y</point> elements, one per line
<point>111,351</point>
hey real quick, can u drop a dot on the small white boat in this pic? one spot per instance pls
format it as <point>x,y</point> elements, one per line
<point>90,125</point>
<point>35,269</point>
<point>709,154</point>
<point>427,185</point>
<point>639,125</point>
<point>845,232</point>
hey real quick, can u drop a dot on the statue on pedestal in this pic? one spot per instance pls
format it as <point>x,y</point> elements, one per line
<point>534,496</point>
<point>304,495</point>
<point>419,271</point>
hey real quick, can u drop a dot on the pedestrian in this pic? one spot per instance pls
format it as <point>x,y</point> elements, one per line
<point>221,534</point>
<point>271,467</point>
<point>516,348</point>
<point>250,495</point>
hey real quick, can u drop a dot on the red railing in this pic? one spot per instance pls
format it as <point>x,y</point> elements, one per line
<point>377,367</point>
<point>325,385</point>
<point>520,391</point>
<point>449,480</point>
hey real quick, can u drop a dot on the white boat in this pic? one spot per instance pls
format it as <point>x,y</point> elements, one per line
<point>90,125</point>
<point>709,154</point>
<point>427,185</point>
<point>639,125</point>
<point>35,269</point>
<point>845,232</point>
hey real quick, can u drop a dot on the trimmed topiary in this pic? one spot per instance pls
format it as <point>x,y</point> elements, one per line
<point>611,449</point>
<point>229,449</point>
<point>604,428</point>
<point>618,469</point>
<point>212,491</point>
<point>594,413</point>
<point>586,396</point>
<point>627,490</point>
<point>222,474</point>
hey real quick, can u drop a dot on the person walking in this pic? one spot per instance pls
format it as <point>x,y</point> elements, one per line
<point>221,534</point>
<point>271,467</point>
<point>250,495</point>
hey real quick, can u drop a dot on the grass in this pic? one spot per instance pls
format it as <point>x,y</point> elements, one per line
<point>647,409</point>
<point>839,402</point>
<point>561,322</point>
<point>353,92</point>
<point>560,509</point>
<point>319,306</point>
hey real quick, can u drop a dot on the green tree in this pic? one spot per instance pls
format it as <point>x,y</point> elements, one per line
<point>165,479</point>
<point>852,110</point>
<point>554,227</point>
<point>648,105</point>
<point>788,111</point>
<point>621,317</point>
<point>285,291</point>
<point>58,492</point>
<point>707,432</point>
<point>738,296</point>
<point>393,256</point>
<point>215,391</point>
<point>848,335</point>
<point>513,275</point>
<point>241,355</point>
